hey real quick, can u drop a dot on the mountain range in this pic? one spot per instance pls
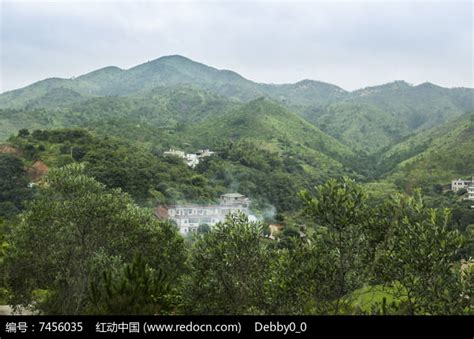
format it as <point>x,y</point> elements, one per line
<point>392,132</point>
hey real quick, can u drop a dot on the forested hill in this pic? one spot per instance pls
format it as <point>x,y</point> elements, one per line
<point>372,118</point>
<point>332,177</point>
<point>434,157</point>
<point>415,107</point>
<point>273,180</point>
<point>276,129</point>
<point>176,102</point>
<point>164,72</point>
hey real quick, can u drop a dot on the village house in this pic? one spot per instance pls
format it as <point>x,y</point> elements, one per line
<point>188,217</point>
<point>459,184</point>
<point>191,159</point>
<point>470,193</point>
<point>468,185</point>
<point>176,153</point>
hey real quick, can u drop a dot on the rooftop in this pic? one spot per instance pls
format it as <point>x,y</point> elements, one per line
<point>233,195</point>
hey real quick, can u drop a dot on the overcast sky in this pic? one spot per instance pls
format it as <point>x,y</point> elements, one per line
<point>349,44</point>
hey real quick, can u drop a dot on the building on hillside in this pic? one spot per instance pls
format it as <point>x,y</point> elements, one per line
<point>188,217</point>
<point>230,199</point>
<point>470,192</point>
<point>191,159</point>
<point>459,184</point>
<point>204,153</point>
<point>176,153</point>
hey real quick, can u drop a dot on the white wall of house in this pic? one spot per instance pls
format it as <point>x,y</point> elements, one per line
<point>458,184</point>
<point>470,193</point>
<point>191,159</point>
<point>189,217</point>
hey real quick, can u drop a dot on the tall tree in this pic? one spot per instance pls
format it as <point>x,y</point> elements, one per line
<point>134,289</point>
<point>14,189</point>
<point>300,279</point>
<point>418,258</point>
<point>74,230</point>
<point>228,267</point>
<point>349,234</point>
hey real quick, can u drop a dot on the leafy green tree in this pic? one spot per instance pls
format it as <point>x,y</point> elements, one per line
<point>72,232</point>
<point>299,279</point>
<point>349,234</point>
<point>203,228</point>
<point>134,289</point>
<point>467,281</point>
<point>227,269</point>
<point>417,258</point>
<point>30,151</point>
<point>286,239</point>
<point>23,133</point>
<point>14,189</point>
<point>40,134</point>
<point>3,247</point>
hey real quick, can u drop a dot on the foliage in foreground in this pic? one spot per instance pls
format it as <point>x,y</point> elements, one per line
<point>72,232</point>
<point>81,248</point>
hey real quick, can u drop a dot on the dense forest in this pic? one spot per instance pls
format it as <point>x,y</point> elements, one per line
<point>349,257</point>
<point>358,181</point>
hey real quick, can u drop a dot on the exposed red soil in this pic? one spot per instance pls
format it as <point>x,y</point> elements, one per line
<point>37,170</point>
<point>8,149</point>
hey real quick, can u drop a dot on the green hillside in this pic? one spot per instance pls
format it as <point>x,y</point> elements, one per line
<point>274,128</point>
<point>160,107</point>
<point>329,166</point>
<point>146,114</point>
<point>188,117</point>
<point>174,90</point>
<point>176,102</point>
<point>112,81</point>
<point>362,127</point>
<point>271,179</point>
<point>166,71</point>
<point>417,107</point>
<point>434,157</point>
<point>305,93</point>
<point>371,119</point>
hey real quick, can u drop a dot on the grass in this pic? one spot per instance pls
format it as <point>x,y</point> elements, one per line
<point>367,297</point>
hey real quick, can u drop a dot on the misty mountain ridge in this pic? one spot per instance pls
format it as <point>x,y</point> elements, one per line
<point>175,69</point>
<point>174,101</point>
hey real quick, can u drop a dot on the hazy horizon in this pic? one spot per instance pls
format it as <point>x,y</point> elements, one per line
<point>268,83</point>
<point>351,45</point>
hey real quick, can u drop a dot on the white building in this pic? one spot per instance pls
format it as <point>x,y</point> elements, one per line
<point>191,159</point>
<point>176,153</point>
<point>188,217</point>
<point>470,192</point>
<point>204,153</point>
<point>458,184</point>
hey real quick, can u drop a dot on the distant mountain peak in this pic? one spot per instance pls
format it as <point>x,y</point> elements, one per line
<point>316,84</point>
<point>108,70</point>
<point>401,82</point>
<point>427,85</point>
<point>174,57</point>
<point>111,69</point>
<point>390,86</point>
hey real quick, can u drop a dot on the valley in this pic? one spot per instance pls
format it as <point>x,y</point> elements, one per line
<point>327,176</point>
<point>368,134</point>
